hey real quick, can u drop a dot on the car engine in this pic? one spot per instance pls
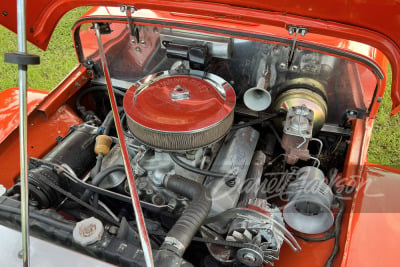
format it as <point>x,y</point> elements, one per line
<point>235,152</point>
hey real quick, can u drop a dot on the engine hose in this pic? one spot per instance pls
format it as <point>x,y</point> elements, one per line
<point>99,161</point>
<point>95,89</point>
<point>109,121</point>
<point>81,108</point>
<point>328,235</point>
<point>337,227</point>
<point>183,231</point>
<point>39,217</point>
<point>110,194</point>
<point>260,120</point>
<point>197,170</point>
<point>66,193</point>
<point>94,172</point>
<point>99,177</point>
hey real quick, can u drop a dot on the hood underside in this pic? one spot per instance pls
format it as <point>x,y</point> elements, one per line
<point>370,21</point>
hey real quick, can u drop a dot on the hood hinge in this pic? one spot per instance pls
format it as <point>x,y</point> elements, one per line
<point>129,10</point>
<point>294,29</point>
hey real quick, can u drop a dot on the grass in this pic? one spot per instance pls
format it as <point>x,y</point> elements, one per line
<point>55,63</point>
<point>385,140</point>
<point>60,58</point>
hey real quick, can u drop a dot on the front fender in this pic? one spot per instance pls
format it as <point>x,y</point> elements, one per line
<point>9,108</point>
<point>43,130</point>
<point>373,232</point>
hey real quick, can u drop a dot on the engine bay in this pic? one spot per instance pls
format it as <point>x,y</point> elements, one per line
<point>236,147</point>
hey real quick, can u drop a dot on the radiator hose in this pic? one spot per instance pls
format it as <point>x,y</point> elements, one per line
<point>181,234</point>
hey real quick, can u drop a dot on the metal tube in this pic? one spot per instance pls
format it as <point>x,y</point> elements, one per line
<point>21,25</point>
<point>144,238</point>
<point>23,140</point>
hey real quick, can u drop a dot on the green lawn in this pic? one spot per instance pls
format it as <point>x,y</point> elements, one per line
<point>385,142</point>
<point>60,58</point>
<point>55,63</point>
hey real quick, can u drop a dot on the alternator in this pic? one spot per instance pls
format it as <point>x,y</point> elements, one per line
<point>262,233</point>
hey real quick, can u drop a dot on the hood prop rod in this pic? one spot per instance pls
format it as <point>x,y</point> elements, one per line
<point>144,238</point>
<point>22,59</point>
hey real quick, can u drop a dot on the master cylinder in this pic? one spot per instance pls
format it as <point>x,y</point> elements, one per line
<point>297,133</point>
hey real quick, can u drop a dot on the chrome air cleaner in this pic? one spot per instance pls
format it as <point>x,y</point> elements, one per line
<point>180,110</point>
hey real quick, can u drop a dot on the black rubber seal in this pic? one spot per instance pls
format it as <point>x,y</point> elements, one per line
<point>21,58</point>
<point>374,67</point>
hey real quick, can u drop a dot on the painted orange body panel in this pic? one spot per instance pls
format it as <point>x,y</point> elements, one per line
<point>48,118</point>
<point>42,134</point>
<point>74,81</point>
<point>9,109</point>
<point>374,231</point>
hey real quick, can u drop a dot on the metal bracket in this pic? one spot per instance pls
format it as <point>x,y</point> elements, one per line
<point>129,10</point>
<point>294,29</point>
<point>355,114</point>
<point>104,28</point>
<point>352,114</point>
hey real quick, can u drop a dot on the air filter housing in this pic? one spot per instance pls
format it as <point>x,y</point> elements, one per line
<point>180,110</point>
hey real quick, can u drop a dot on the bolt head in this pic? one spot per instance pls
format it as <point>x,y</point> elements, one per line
<point>249,257</point>
<point>149,191</point>
<point>142,185</point>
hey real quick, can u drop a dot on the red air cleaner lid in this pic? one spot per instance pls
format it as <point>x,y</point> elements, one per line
<point>176,103</point>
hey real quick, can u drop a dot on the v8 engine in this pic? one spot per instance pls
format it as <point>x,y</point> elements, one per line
<point>231,145</point>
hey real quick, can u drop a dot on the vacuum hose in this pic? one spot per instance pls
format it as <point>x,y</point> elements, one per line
<point>181,234</point>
